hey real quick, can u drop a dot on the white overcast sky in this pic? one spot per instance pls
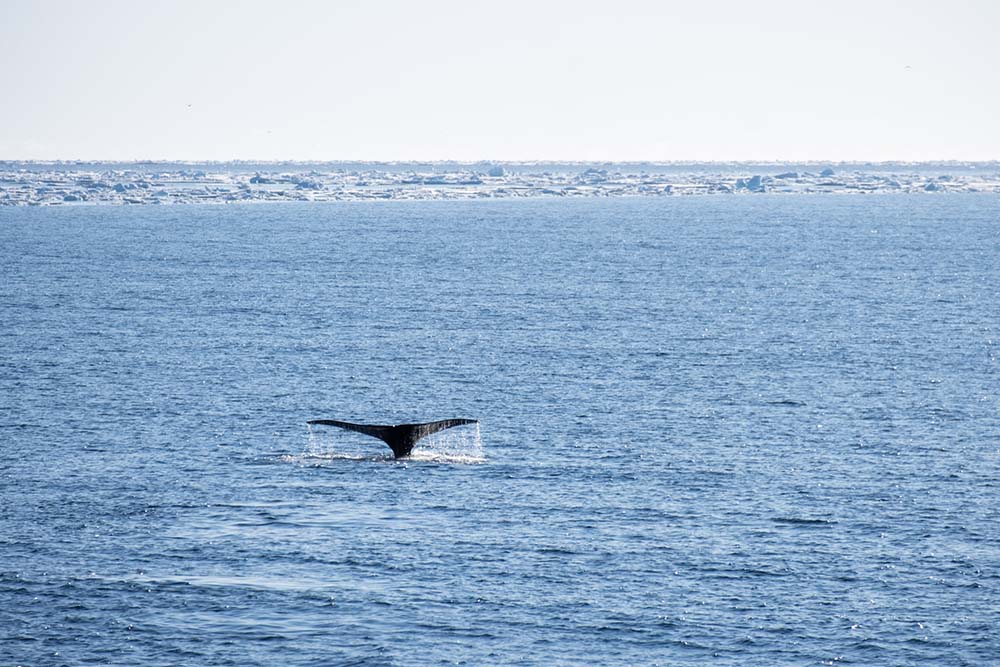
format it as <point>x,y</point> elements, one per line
<point>503,80</point>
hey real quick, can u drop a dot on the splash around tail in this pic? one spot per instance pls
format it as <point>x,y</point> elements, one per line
<point>402,438</point>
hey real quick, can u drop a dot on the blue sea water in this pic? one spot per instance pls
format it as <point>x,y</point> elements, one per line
<point>714,431</point>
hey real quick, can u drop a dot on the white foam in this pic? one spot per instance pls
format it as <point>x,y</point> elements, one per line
<point>321,458</point>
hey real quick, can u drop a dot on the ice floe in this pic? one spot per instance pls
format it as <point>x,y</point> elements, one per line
<point>77,183</point>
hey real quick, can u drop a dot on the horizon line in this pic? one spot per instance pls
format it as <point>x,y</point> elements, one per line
<point>300,161</point>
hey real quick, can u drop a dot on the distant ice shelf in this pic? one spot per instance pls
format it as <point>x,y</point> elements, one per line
<point>36,184</point>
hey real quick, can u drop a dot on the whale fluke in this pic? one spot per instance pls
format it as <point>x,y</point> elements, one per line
<point>401,438</point>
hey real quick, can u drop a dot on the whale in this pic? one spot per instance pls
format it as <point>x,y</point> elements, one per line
<point>401,438</point>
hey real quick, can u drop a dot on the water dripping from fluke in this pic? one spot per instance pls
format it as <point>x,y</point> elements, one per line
<point>464,445</point>
<point>437,441</point>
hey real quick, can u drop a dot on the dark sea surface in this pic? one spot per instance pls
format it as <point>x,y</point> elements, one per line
<point>714,431</point>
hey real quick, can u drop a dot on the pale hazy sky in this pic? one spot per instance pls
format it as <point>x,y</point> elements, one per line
<point>609,80</point>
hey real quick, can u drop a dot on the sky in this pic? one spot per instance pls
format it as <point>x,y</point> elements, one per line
<point>503,80</point>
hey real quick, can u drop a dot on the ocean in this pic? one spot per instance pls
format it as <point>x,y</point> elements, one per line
<point>713,431</point>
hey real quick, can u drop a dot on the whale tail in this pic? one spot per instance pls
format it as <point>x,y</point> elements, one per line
<point>401,438</point>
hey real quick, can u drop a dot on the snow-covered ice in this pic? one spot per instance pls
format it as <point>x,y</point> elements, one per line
<point>78,183</point>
